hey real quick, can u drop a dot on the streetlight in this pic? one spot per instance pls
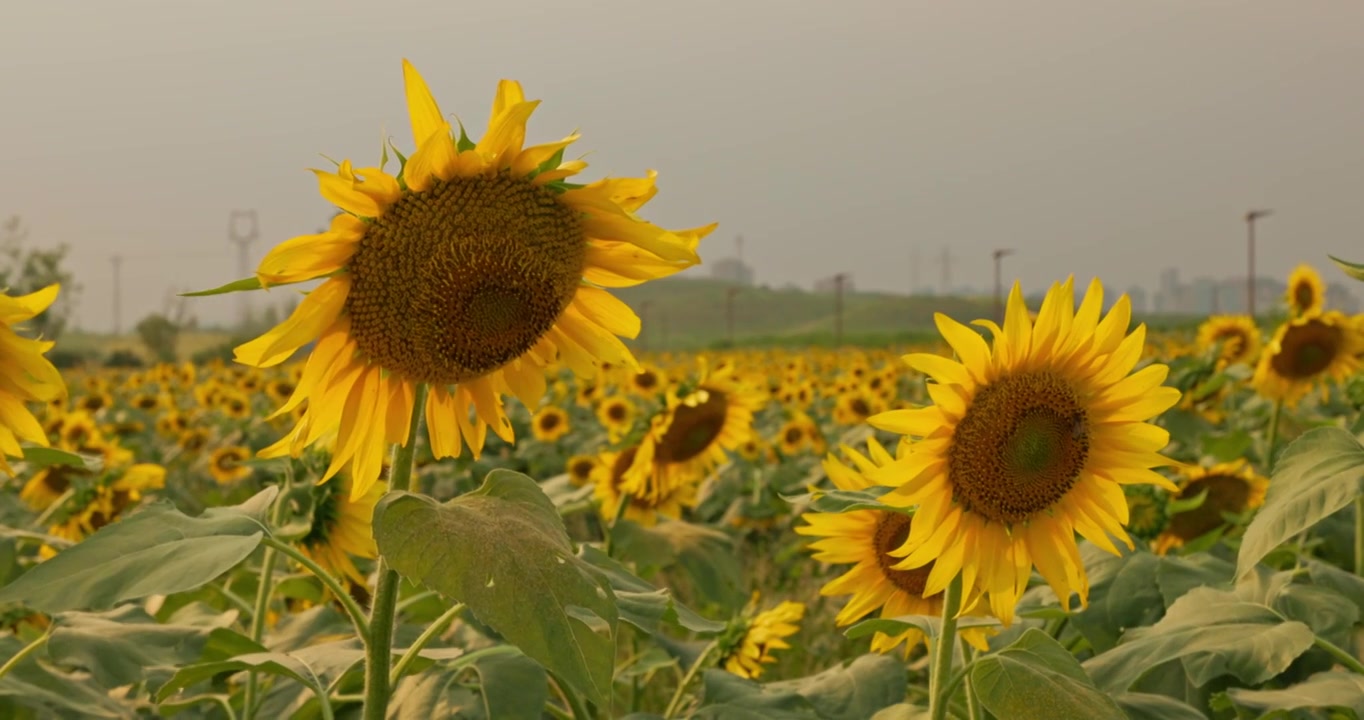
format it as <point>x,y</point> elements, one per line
<point>999,284</point>
<point>1251,217</point>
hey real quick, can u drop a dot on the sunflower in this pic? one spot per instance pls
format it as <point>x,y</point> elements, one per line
<point>49,484</point>
<point>1232,488</point>
<point>468,271</point>
<point>689,437</point>
<point>854,406</point>
<point>1026,444</point>
<point>1148,510</point>
<point>1305,352</point>
<point>765,632</point>
<point>1306,293</point>
<point>580,469</point>
<point>549,424</point>
<point>646,506</point>
<point>617,415</point>
<point>792,438</point>
<point>342,528</point>
<point>225,465</point>
<point>866,538</point>
<point>109,502</point>
<point>146,401</point>
<point>648,381</point>
<point>1237,335</point>
<point>193,439</point>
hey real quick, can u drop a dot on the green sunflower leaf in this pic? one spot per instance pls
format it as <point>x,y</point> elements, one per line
<point>243,285</point>
<point>542,598</point>
<point>1035,678</point>
<point>1331,689</point>
<point>156,551</point>
<point>1146,706</point>
<point>1354,270</point>
<point>840,501</point>
<point>643,605</point>
<point>1317,475</point>
<point>37,458</point>
<point>1214,633</point>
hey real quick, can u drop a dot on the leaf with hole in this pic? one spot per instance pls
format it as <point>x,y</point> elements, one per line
<point>541,598</point>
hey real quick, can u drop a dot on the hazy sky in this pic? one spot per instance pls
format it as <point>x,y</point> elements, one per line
<point>1096,137</point>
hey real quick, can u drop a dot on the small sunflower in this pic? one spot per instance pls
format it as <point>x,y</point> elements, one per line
<point>854,406</point>
<point>107,503</point>
<point>580,469</point>
<point>617,415</point>
<point>225,465</point>
<point>342,528</point>
<point>1306,352</point>
<point>764,633</point>
<point>49,484</point>
<point>1026,444</point>
<point>549,424</point>
<point>1237,335</point>
<point>792,438</point>
<point>1148,510</point>
<point>866,539</point>
<point>648,381</point>
<point>689,437</point>
<point>1232,488</point>
<point>1306,292</point>
<point>645,507</point>
<point>193,440</point>
<point>468,271</point>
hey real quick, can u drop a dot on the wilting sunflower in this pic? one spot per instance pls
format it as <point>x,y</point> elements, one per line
<point>866,539</point>
<point>549,424</point>
<point>25,375</point>
<point>1306,352</point>
<point>225,465</point>
<point>468,271</point>
<point>765,632</point>
<point>1306,292</point>
<point>1232,488</point>
<point>1026,444</point>
<point>1238,336</point>
<point>689,437</point>
<point>617,415</point>
<point>645,507</point>
<point>342,528</point>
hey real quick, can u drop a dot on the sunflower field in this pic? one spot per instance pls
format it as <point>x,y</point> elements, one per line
<point>444,486</point>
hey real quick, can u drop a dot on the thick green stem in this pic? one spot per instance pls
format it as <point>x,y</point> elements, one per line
<point>968,654</point>
<point>1272,436</point>
<point>258,618</point>
<point>1349,661</point>
<point>357,615</point>
<point>379,649</point>
<point>29,649</point>
<point>1359,535</point>
<point>675,704</point>
<point>436,628</point>
<point>943,648</point>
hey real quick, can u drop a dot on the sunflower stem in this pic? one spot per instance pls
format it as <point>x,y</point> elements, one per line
<point>28,649</point>
<point>943,649</point>
<point>264,588</point>
<point>1272,436</point>
<point>379,644</point>
<point>1359,535</point>
<point>675,704</point>
<point>625,499</point>
<point>575,703</point>
<point>1349,661</point>
<point>357,615</point>
<point>968,655</point>
<point>437,627</point>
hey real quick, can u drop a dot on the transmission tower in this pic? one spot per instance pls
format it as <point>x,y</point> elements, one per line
<point>243,241</point>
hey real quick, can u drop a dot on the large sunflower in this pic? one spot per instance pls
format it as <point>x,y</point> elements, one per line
<point>1237,336</point>
<point>1306,292</point>
<point>866,538</point>
<point>1026,444</point>
<point>468,270</point>
<point>25,375</point>
<point>1307,351</point>
<point>689,437</point>
<point>1232,488</point>
<point>342,529</point>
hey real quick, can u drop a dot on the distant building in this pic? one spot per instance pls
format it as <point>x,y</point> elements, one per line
<point>732,270</point>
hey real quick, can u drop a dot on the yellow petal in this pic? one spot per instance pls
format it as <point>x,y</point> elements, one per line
<point>342,193</point>
<point>318,310</point>
<point>421,107</point>
<point>434,159</point>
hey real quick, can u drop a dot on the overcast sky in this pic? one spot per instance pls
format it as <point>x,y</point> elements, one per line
<point>1095,137</point>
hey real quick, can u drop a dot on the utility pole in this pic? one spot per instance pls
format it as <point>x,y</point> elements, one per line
<point>999,284</point>
<point>243,241</point>
<point>730,292</point>
<point>946,271</point>
<point>839,280</point>
<point>1251,217</point>
<point>118,294</point>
